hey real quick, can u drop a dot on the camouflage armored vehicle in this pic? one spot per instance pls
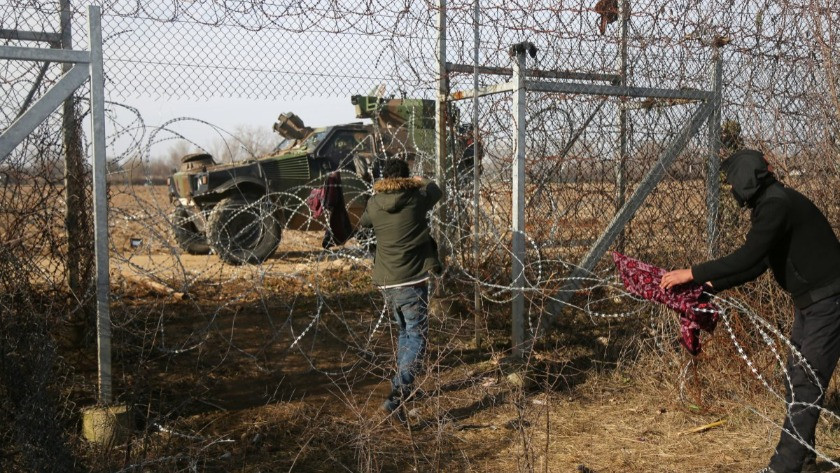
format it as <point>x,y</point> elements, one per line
<point>240,209</point>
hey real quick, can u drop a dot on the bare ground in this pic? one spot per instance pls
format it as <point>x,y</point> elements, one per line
<point>221,385</point>
<point>283,367</point>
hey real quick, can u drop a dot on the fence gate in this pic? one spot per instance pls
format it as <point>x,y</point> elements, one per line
<point>524,81</point>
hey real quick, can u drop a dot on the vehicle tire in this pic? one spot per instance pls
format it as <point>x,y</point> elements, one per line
<point>187,235</point>
<point>244,229</point>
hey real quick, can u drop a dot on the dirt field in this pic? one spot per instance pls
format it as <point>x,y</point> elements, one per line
<point>283,367</point>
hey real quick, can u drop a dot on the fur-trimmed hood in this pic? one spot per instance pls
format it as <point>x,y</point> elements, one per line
<point>392,194</point>
<point>393,184</point>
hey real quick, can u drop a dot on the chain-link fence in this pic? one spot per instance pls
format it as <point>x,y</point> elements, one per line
<point>279,365</point>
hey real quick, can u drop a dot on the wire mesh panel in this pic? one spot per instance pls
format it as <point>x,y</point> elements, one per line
<point>264,50</point>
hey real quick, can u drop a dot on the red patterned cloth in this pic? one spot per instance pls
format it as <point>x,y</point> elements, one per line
<point>330,197</point>
<point>696,312</point>
<point>315,201</point>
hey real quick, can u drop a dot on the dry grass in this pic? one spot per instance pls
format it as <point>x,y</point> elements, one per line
<point>217,383</point>
<point>600,395</point>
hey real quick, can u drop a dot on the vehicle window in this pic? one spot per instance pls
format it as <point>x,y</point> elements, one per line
<point>284,145</point>
<point>340,149</point>
<point>313,139</point>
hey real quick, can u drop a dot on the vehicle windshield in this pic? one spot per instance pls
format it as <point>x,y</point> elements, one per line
<point>284,145</point>
<point>313,139</point>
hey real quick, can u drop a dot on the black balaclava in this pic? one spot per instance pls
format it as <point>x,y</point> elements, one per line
<point>746,170</point>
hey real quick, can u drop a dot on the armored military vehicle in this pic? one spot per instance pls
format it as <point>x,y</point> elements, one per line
<point>238,210</point>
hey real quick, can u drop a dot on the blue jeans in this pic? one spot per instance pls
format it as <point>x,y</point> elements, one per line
<point>410,307</point>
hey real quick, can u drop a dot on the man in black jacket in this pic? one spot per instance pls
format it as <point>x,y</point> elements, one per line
<point>791,236</point>
<point>405,256</point>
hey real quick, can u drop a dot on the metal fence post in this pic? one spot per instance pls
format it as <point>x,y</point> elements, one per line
<point>100,204</point>
<point>620,178</point>
<point>476,174</point>
<point>518,206</point>
<point>440,121</point>
<point>74,213</point>
<point>713,168</point>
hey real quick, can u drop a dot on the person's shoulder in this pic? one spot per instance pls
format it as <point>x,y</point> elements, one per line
<point>776,194</point>
<point>791,193</point>
<point>396,184</point>
<point>775,201</point>
<point>781,196</point>
<point>775,204</point>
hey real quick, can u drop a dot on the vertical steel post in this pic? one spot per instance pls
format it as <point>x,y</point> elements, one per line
<point>100,204</point>
<point>620,178</point>
<point>713,168</point>
<point>73,165</point>
<point>476,174</point>
<point>440,122</point>
<point>518,207</point>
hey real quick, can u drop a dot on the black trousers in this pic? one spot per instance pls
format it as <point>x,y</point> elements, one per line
<point>816,335</point>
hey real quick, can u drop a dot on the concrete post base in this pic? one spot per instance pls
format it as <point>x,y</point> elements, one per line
<point>517,373</point>
<point>106,425</point>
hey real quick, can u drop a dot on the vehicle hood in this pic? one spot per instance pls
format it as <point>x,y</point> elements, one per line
<point>287,154</point>
<point>392,194</point>
<point>747,172</point>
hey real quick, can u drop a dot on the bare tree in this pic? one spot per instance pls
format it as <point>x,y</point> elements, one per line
<point>172,158</point>
<point>246,142</point>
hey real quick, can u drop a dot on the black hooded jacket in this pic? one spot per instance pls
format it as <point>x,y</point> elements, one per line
<point>789,234</point>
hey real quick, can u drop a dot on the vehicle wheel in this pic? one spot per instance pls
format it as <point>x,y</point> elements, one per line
<point>187,235</point>
<point>244,229</point>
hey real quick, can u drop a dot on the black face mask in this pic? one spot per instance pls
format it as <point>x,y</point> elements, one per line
<point>741,202</point>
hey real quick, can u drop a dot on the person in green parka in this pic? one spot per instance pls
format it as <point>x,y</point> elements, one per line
<point>406,256</point>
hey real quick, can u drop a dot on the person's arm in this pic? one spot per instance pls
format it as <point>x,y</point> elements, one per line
<point>768,222</point>
<point>682,276</point>
<point>430,190</point>
<point>364,220</point>
<point>740,278</point>
<point>745,263</point>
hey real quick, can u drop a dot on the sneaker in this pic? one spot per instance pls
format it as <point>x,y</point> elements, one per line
<point>394,411</point>
<point>391,404</point>
<point>393,401</point>
<point>810,465</point>
<point>416,395</point>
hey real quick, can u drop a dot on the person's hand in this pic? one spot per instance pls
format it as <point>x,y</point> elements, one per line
<point>675,278</point>
<point>418,178</point>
